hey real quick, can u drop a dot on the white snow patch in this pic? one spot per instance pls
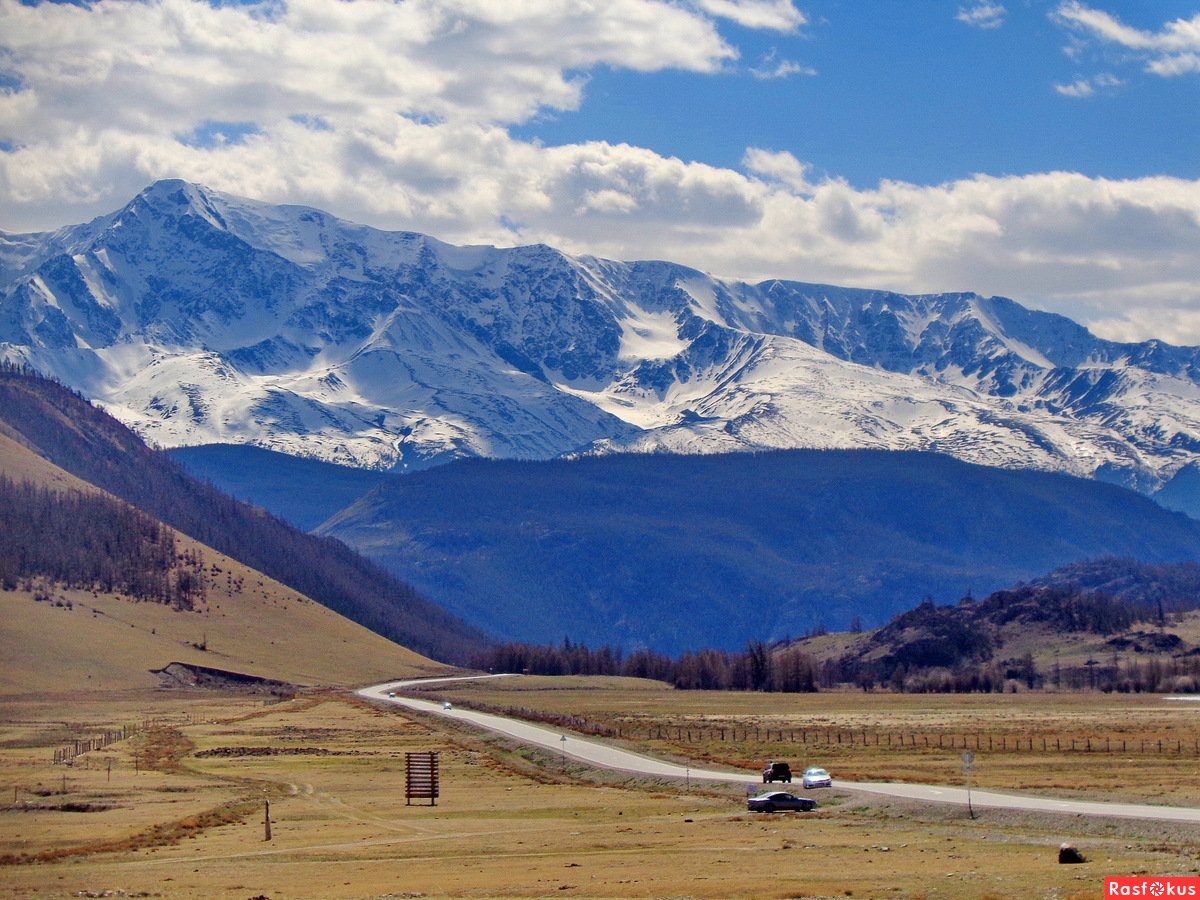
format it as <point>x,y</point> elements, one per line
<point>465,259</point>
<point>702,294</point>
<point>1018,347</point>
<point>650,335</point>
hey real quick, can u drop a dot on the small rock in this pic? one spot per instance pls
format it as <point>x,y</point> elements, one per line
<point>1069,855</point>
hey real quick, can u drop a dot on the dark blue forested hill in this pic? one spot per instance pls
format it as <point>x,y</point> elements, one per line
<point>304,492</point>
<point>681,552</point>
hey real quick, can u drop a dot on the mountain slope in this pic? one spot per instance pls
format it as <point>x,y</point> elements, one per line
<point>269,479</point>
<point>94,447</point>
<point>54,639</point>
<point>1109,623</point>
<point>680,552</point>
<point>198,317</point>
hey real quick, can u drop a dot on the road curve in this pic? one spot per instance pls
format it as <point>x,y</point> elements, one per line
<point>573,747</point>
<point>598,754</point>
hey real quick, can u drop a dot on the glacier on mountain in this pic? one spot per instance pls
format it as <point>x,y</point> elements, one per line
<point>198,317</point>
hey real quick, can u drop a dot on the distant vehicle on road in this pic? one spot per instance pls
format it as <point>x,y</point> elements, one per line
<point>446,704</point>
<point>777,771</point>
<point>816,778</point>
<point>774,801</point>
<point>392,694</point>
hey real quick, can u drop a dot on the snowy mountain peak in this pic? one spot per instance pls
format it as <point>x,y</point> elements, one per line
<point>198,317</point>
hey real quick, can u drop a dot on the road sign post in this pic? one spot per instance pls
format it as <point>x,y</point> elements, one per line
<point>421,782</point>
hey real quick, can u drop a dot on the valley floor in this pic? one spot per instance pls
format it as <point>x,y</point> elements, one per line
<point>177,809</point>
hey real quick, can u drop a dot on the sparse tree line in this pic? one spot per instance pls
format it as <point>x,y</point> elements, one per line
<point>757,668</point>
<point>790,670</point>
<point>1155,674</point>
<point>93,542</point>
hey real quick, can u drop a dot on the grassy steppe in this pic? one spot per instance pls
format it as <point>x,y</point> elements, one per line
<point>189,822</point>
<point>1011,721</point>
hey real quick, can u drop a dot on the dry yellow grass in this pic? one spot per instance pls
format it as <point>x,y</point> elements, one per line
<point>102,642</point>
<point>20,463</point>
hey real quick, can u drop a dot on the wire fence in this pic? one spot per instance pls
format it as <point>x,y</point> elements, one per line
<point>67,754</point>
<point>913,740</point>
<point>856,738</point>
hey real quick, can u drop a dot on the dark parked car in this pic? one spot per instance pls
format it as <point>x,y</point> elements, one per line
<point>777,771</point>
<point>776,800</point>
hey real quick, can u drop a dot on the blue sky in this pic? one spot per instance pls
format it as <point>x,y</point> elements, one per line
<point>894,90</point>
<point>1043,150</point>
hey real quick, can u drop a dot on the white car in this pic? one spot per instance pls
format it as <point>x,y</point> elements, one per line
<point>816,778</point>
<point>447,705</point>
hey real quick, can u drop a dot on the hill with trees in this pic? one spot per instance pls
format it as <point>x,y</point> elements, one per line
<point>94,541</point>
<point>1112,624</point>
<point>76,436</point>
<point>268,479</point>
<point>1107,624</point>
<point>675,553</point>
<point>97,605</point>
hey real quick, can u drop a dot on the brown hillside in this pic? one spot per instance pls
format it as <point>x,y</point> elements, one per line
<point>21,463</point>
<point>249,623</point>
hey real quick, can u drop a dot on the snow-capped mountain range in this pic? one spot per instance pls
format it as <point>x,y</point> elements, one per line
<point>199,317</point>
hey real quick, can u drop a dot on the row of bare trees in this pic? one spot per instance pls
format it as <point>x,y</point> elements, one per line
<point>757,668</point>
<point>91,541</point>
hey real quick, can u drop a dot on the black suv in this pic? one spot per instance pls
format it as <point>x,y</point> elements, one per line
<point>777,771</point>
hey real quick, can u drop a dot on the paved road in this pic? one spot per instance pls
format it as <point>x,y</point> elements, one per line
<point>596,753</point>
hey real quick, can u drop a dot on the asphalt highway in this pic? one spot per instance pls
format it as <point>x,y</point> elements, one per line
<point>594,752</point>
